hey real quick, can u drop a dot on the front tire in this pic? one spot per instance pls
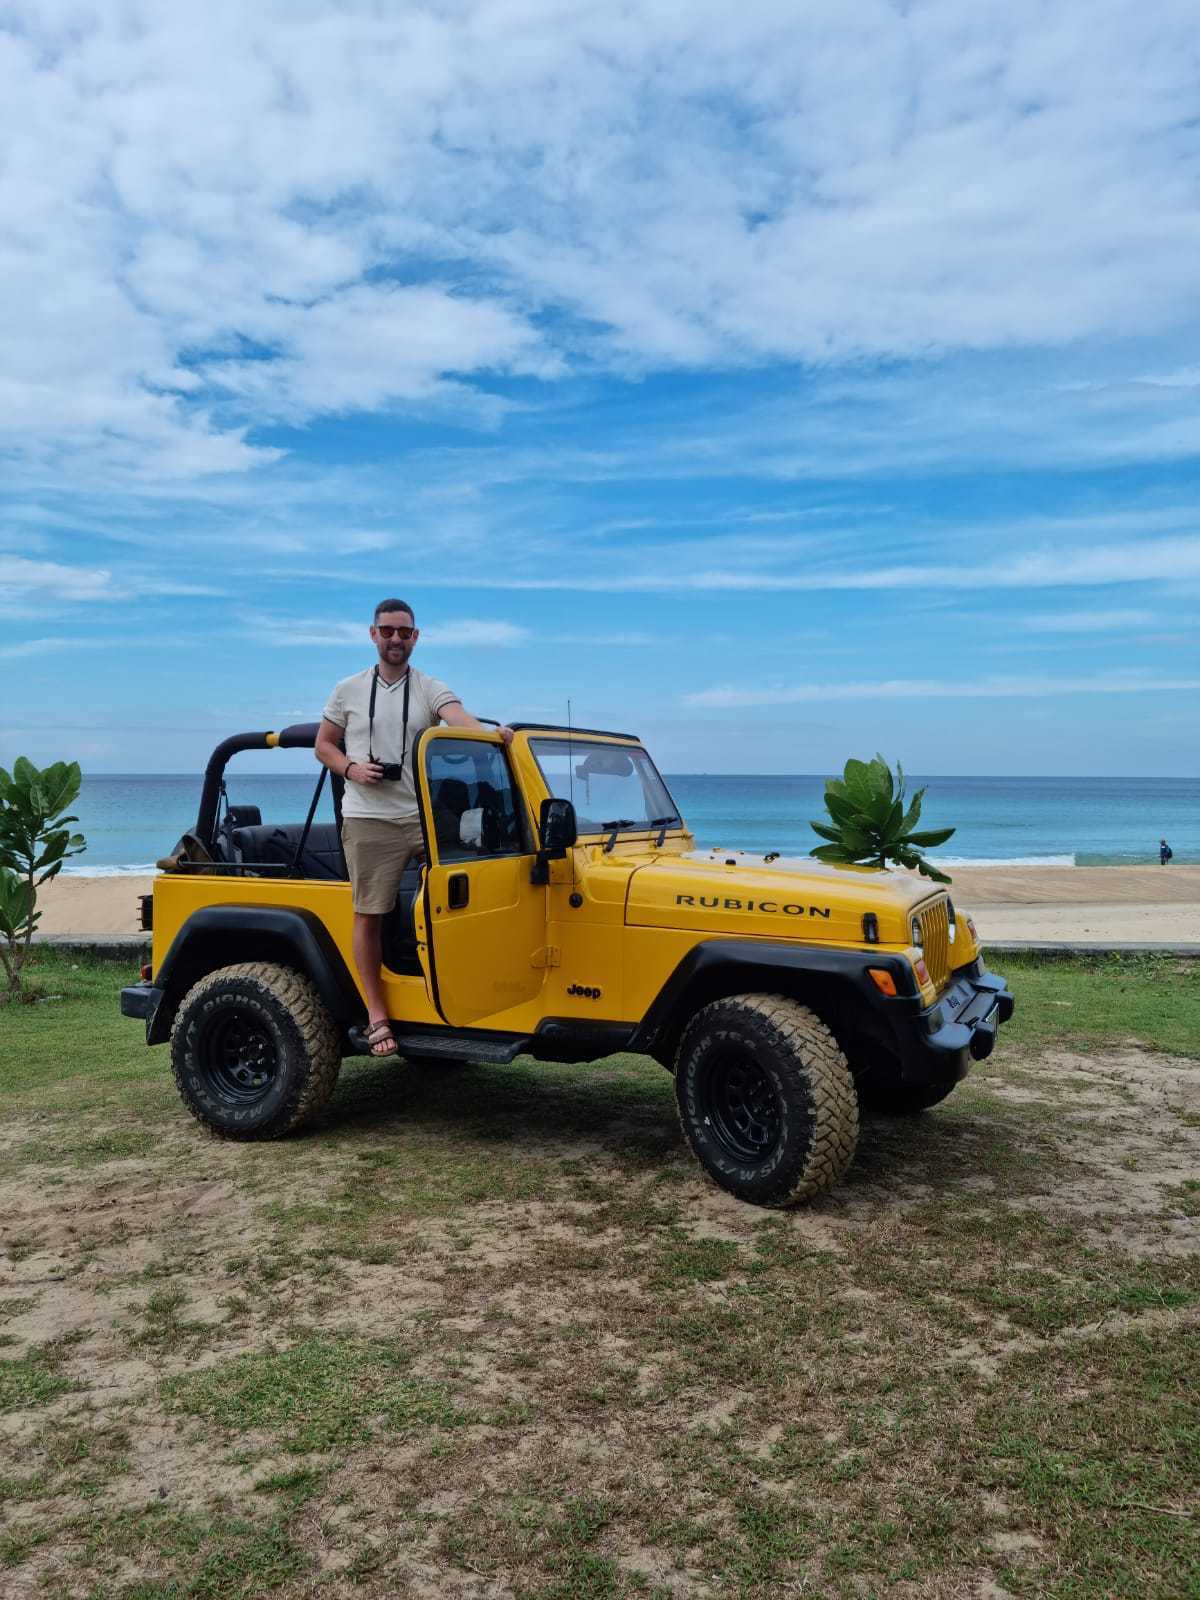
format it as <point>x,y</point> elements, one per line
<point>766,1099</point>
<point>254,1051</point>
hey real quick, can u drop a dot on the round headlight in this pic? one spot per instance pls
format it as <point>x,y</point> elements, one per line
<point>916,931</point>
<point>950,914</point>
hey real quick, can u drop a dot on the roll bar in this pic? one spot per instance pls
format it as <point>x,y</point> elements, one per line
<point>300,736</point>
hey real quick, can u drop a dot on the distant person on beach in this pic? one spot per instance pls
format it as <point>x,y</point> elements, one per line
<point>1164,852</point>
<point>370,726</point>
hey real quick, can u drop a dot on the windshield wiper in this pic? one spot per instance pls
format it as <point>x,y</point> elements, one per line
<point>662,823</point>
<point>616,825</point>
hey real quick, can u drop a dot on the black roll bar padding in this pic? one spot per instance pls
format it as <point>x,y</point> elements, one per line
<point>299,736</point>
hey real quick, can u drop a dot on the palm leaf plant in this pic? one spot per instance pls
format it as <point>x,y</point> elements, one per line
<point>35,840</point>
<point>869,823</point>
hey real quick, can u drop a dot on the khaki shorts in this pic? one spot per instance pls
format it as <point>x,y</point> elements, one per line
<point>377,852</point>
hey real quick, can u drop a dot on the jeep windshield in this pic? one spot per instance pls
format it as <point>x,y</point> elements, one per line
<point>614,788</point>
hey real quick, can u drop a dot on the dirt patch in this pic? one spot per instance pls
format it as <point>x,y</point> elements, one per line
<point>1132,1136</point>
<point>641,1375</point>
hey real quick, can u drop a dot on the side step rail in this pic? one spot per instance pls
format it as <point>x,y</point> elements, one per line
<point>447,1046</point>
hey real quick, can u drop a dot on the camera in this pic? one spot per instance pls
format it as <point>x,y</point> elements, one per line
<point>392,771</point>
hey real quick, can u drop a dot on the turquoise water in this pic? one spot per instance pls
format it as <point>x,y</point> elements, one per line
<point>131,820</point>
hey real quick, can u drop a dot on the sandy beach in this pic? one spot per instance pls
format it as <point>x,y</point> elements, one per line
<point>1091,905</point>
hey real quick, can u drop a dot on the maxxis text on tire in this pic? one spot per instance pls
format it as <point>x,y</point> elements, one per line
<point>766,1099</point>
<point>254,1051</point>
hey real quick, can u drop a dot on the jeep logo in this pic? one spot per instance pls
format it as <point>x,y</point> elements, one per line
<point>771,907</point>
<point>584,993</point>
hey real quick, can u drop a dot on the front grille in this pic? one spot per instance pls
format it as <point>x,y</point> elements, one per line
<point>935,939</point>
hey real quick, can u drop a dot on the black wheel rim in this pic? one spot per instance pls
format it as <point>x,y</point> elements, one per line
<point>240,1058</point>
<point>741,1106</point>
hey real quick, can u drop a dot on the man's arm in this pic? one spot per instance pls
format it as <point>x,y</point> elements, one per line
<point>329,737</point>
<point>456,715</point>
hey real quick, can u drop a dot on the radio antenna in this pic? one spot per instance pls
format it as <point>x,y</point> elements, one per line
<point>571,776</point>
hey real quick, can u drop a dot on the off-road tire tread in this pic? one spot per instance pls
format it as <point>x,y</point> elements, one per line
<point>798,1031</point>
<point>319,1036</point>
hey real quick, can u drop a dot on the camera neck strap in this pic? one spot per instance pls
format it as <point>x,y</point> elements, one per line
<point>371,715</point>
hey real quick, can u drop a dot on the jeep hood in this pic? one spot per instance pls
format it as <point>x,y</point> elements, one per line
<point>734,892</point>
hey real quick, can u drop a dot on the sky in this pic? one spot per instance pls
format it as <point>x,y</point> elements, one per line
<point>781,384</point>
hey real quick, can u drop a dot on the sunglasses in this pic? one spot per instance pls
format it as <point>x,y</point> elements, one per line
<point>385,631</point>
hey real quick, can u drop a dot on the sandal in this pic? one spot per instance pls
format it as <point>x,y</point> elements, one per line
<point>380,1033</point>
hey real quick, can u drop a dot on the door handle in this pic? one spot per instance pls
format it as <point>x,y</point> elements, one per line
<point>458,891</point>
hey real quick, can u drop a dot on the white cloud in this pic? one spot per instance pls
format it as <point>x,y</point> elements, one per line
<point>464,632</point>
<point>928,691</point>
<point>221,217</point>
<point>1162,560</point>
<point>20,576</point>
<point>470,632</point>
<point>1075,622</point>
<point>26,585</point>
<point>32,647</point>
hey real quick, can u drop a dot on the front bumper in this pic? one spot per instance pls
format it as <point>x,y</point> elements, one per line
<point>941,1042</point>
<point>141,1000</point>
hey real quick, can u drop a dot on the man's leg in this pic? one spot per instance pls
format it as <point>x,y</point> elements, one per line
<point>368,958</point>
<point>376,853</point>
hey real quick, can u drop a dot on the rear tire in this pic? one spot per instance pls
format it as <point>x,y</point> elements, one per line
<point>766,1099</point>
<point>254,1051</point>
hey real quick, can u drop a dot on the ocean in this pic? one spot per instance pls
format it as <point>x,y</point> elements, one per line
<point>131,820</point>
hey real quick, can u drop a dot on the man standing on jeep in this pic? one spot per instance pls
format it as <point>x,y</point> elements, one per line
<point>377,715</point>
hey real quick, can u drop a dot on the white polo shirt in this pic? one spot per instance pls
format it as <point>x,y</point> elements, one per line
<point>348,707</point>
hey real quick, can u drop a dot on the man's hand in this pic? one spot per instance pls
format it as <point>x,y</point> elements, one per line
<point>364,772</point>
<point>506,733</point>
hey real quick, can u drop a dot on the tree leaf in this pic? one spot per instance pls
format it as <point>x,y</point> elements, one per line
<point>842,810</point>
<point>882,776</point>
<point>930,838</point>
<point>932,872</point>
<point>913,814</point>
<point>832,852</point>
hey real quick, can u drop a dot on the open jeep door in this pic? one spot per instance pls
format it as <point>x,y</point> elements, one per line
<point>486,919</point>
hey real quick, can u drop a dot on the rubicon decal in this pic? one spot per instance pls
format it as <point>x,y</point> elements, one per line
<point>715,902</point>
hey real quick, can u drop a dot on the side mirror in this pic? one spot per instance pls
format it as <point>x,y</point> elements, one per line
<point>558,828</point>
<point>559,831</point>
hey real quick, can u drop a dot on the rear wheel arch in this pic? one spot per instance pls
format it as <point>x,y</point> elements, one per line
<point>283,936</point>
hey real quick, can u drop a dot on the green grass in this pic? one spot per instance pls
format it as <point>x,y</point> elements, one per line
<point>320,1394</point>
<point>1153,1000</point>
<point>30,1381</point>
<point>488,1330</point>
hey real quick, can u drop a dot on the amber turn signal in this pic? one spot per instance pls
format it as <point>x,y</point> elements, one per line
<point>883,981</point>
<point>145,971</point>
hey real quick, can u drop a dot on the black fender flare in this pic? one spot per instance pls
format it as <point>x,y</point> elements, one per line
<point>296,934</point>
<point>760,965</point>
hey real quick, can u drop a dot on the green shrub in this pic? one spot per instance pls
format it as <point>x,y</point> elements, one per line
<point>869,824</point>
<point>35,840</point>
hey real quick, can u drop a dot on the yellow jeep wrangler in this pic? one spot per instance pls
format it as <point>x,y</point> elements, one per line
<point>561,911</point>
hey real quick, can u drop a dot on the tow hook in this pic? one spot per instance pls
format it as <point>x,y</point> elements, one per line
<point>983,1038</point>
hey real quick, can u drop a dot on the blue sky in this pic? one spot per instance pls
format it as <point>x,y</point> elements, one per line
<point>780,387</point>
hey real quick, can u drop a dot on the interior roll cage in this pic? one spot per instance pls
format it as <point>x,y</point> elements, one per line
<point>300,736</point>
